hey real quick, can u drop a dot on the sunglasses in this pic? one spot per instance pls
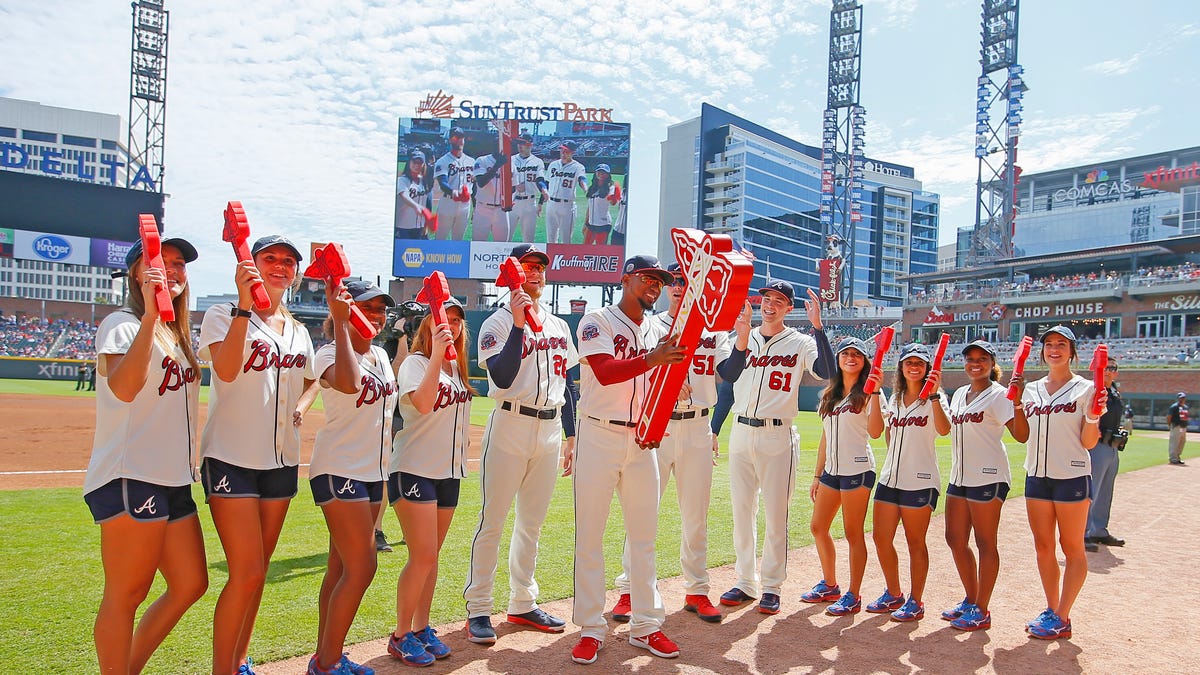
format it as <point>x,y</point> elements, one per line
<point>1111,369</point>
<point>652,282</point>
<point>678,281</point>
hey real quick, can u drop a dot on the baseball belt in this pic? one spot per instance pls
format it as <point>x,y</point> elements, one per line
<point>561,201</point>
<point>525,197</point>
<point>757,422</point>
<point>689,414</point>
<point>540,413</point>
<point>620,423</point>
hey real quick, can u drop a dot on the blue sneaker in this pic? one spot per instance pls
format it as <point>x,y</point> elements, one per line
<point>849,603</point>
<point>356,668</point>
<point>769,604</point>
<point>886,603</point>
<point>409,649</point>
<point>822,592</point>
<point>913,610</point>
<point>1052,628</point>
<point>428,637</point>
<point>734,597</point>
<point>246,668</point>
<point>959,610</point>
<point>338,668</point>
<point>1044,616</point>
<point>973,619</point>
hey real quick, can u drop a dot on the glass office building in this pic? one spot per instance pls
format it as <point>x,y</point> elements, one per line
<point>725,174</point>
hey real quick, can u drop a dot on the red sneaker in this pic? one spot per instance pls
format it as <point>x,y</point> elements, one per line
<point>623,609</point>
<point>585,651</point>
<point>657,643</point>
<point>701,607</point>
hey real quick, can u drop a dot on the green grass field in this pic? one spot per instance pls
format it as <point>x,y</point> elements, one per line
<point>51,579</point>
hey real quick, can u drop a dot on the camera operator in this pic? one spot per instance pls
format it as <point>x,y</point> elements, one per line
<point>1105,462</point>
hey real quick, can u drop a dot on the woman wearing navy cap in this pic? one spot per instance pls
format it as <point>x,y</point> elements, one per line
<point>1058,475</point>
<point>412,199</point>
<point>602,194</point>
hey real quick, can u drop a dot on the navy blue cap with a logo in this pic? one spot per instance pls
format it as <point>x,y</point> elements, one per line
<point>523,251</point>
<point>916,350</point>
<point>362,290</point>
<point>275,240</point>
<point>416,155</point>
<point>1060,330</point>
<point>782,287</point>
<point>456,131</point>
<point>980,344</point>
<point>852,343</point>
<point>525,138</point>
<point>185,248</point>
<point>569,145</point>
<point>646,264</point>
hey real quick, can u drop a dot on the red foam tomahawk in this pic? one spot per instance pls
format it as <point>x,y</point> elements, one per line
<point>435,292</point>
<point>152,257</point>
<point>1019,364</point>
<point>718,281</point>
<point>883,342</point>
<point>512,275</point>
<point>1097,366</point>
<point>943,342</point>
<point>329,263</point>
<point>236,232</point>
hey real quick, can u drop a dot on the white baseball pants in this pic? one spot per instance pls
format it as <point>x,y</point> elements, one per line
<point>560,221</point>
<point>489,221</point>
<point>762,460</point>
<point>523,218</point>
<point>452,218</point>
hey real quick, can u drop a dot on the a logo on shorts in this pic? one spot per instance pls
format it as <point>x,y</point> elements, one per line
<point>855,482</point>
<point>922,499</point>
<point>1078,493</point>
<point>222,485</point>
<point>147,506</point>
<point>987,493</point>
<point>348,487</point>
<point>414,491</point>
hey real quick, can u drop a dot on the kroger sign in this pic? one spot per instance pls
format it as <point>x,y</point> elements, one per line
<point>51,247</point>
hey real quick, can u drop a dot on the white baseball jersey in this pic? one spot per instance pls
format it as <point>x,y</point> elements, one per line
<point>459,171</point>
<point>562,179</point>
<point>527,171</point>
<point>250,419</point>
<point>770,384</point>
<point>1055,422</point>
<point>153,437</point>
<point>599,210</point>
<point>847,442</point>
<point>702,373</point>
<point>545,359</point>
<point>433,445</point>
<point>978,456</point>
<point>356,439</point>
<point>410,199</point>
<point>488,195</point>
<point>609,331</point>
<point>911,461</point>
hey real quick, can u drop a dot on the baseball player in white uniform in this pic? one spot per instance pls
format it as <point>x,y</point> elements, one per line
<point>689,450</point>
<point>763,444</point>
<point>453,172</point>
<point>262,361</point>
<point>908,482</point>
<point>490,217</point>
<point>563,176</point>
<point>529,189</point>
<point>618,345</point>
<point>138,485</point>
<point>528,379</point>
<point>412,199</point>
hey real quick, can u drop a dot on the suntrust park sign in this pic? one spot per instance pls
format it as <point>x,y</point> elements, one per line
<point>442,105</point>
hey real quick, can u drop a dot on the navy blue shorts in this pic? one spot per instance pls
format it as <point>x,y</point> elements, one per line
<point>979,493</point>
<point>1058,489</point>
<point>222,479</point>
<point>843,483</point>
<point>909,499</point>
<point>423,490</point>
<point>328,487</point>
<point>143,501</point>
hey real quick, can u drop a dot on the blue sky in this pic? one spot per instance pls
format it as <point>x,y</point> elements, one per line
<point>291,106</point>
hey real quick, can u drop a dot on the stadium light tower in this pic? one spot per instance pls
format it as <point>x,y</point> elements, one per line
<point>841,153</point>
<point>147,96</point>
<point>1000,87</point>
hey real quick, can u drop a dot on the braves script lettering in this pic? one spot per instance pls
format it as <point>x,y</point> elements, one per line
<point>910,421</point>
<point>373,391</point>
<point>967,418</point>
<point>844,408</point>
<point>788,361</point>
<point>447,397</point>
<point>1032,409</point>
<point>622,350</point>
<point>263,357</point>
<point>174,376</point>
<point>543,345</point>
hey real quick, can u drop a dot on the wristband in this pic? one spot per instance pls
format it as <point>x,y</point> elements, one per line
<point>1091,420</point>
<point>935,397</point>
<point>236,311</point>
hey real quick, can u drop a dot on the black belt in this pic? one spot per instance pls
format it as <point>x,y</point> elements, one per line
<point>540,413</point>
<point>525,197</point>
<point>556,199</point>
<point>757,422</point>
<point>620,423</point>
<point>689,414</point>
<point>493,205</point>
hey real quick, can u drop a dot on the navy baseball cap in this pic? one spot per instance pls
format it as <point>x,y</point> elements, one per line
<point>980,344</point>
<point>916,350</point>
<point>275,240</point>
<point>1061,330</point>
<point>361,290</point>
<point>646,264</point>
<point>457,132</point>
<point>1181,394</point>
<point>185,247</point>
<point>675,269</point>
<point>522,251</point>
<point>525,138</point>
<point>852,343</point>
<point>569,145</point>
<point>782,287</point>
<point>603,167</point>
<point>415,155</point>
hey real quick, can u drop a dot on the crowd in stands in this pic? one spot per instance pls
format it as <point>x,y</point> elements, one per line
<point>1111,279</point>
<point>26,336</point>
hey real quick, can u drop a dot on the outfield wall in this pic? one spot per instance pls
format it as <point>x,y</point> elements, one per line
<point>22,368</point>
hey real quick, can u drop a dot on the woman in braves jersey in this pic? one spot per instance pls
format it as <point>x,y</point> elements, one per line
<point>349,465</point>
<point>602,194</point>
<point>138,483</point>
<point>979,480</point>
<point>908,483</point>
<point>412,200</point>
<point>1058,475</point>
<point>429,459</point>
<point>262,361</point>
<point>845,472</point>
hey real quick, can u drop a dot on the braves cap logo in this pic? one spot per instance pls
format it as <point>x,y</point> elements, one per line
<point>414,491</point>
<point>348,487</point>
<point>147,505</point>
<point>222,485</point>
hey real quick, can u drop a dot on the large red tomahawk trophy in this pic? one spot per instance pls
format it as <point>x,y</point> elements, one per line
<point>330,263</point>
<point>236,232</point>
<point>507,132</point>
<point>152,256</point>
<point>511,276</point>
<point>435,292</point>
<point>718,280</point>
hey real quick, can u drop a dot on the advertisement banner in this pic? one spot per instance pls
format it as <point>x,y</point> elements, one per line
<point>418,259</point>
<point>584,263</point>
<point>6,242</point>
<point>57,248</point>
<point>109,253</point>
<point>831,279</point>
<point>489,176</point>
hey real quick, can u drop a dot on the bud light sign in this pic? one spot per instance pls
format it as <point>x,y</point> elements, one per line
<point>48,247</point>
